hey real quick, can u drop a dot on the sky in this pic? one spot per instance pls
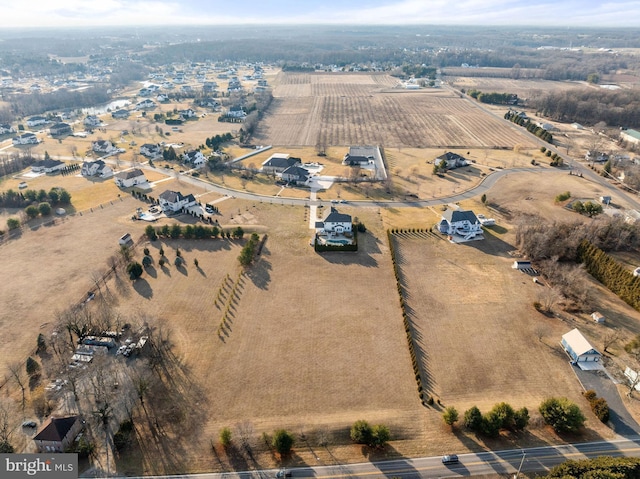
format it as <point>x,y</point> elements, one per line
<point>583,13</point>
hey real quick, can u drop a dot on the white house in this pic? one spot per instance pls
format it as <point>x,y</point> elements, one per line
<point>578,348</point>
<point>451,160</point>
<point>25,139</point>
<point>47,166</point>
<point>236,112</point>
<point>36,121</point>
<point>188,113</point>
<point>92,121</point>
<point>127,179</point>
<point>337,223</point>
<point>151,150</point>
<point>460,223</point>
<point>103,146</point>
<point>361,156</point>
<point>175,201</point>
<point>60,129</point>
<point>96,168</point>
<point>195,158</point>
<point>120,114</point>
<point>6,128</point>
<point>145,104</point>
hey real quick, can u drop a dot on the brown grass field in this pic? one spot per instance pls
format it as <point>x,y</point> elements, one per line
<point>349,109</point>
<point>315,342</point>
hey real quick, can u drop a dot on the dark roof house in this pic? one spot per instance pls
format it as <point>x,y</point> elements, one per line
<point>57,434</point>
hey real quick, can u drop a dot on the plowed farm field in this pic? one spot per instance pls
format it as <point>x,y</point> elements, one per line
<point>347,109</point>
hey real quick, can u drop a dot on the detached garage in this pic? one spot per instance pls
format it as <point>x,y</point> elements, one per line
<point>579,349</point>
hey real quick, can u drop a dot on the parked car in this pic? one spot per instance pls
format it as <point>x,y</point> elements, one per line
<point>450,459</point>
<point>29,424</point>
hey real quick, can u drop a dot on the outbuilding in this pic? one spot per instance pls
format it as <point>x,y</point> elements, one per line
<point>579,349</point>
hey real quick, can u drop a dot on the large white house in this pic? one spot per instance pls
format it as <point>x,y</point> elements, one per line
<point>96,168</point>
<point>129,178</point>
<point>145,104</point>
<point>103,146</point>
<point>278,162</point>
<point>25,139</point>
<point>6,128</point>
<point>337,223</point>
<point>47,166</point>
<point>175,201</point>
<point>460,223</point>
<point>151,150</point>
<point>36,121</point>
<point>195,158</point>
<point>92,121</point>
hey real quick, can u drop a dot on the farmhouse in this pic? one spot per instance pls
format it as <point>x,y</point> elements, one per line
<point>103,146</point>
<point>362,155</point>
<point>60,129</point>
<point>47,166</point>
<point>151,150</point>
<point>579,349</point>
<point>194,158</point>
<point>175,201</point>
<point>96,168</point>
<point>25,139</point>
<point>460,223</point>
<point>296,175</point>
<point>57,434</point>
<point>127,179</point>
<point>188,113</point>
<point>451,160</point>
<point>278,162</point>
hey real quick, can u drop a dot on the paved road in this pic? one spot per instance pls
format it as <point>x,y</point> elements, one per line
<point>537,459</point>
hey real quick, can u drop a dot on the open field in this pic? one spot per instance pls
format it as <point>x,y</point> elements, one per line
<point>339,109</point>
<point>524,88</point>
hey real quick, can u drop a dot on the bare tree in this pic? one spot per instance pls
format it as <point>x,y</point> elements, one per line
<point>609,338</point>
<point>541,331</point>
<point>18,373</point>
<point>8,422</point>
<point>245,431</point>
<point>548,298</point>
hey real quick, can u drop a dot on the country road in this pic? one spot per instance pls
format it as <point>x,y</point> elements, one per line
<point>532,460</point>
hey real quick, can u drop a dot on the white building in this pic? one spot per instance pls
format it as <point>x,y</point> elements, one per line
<point>127,179</point>
<point>175,201</point>
<point>96,168</point>
<point>460,223</point>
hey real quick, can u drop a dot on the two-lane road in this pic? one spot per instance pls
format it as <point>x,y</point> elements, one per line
<point>536,459</point>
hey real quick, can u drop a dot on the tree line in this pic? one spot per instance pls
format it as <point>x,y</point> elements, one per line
<point>19,199</point>
<point>494,98</point>
<point>610,273</point>
<point>590,106</point>
<point>531,127</point>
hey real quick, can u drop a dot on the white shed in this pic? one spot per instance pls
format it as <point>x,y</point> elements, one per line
<point>597,317</point>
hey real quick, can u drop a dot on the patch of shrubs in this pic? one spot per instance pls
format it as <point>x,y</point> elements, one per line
<point>373,436</point>
<point>598,405</point>
<point>563,197</point>
<point>502,416</point>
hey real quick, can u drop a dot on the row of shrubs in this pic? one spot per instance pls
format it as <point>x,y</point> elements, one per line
<point>610,273</point>
<point>176,231</point>
<point>228,302</point>
<point>501,416</point>
<point>405,321</point>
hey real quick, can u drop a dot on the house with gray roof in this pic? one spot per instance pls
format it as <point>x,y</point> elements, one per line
<point>296,175</point>
<point>362,156</point>
<point>336,223</point>
<point>451,160</point>
<point>460,223</point>
<point>278,162</point>
<point>129,178</point>
<point>57,433</point>
<point>174,201</point>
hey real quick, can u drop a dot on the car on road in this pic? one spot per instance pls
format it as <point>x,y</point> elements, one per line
<point>283,473</point>
<point>450,459</point>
